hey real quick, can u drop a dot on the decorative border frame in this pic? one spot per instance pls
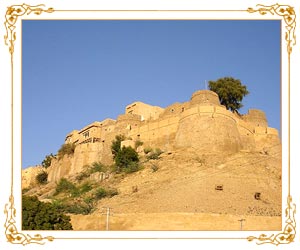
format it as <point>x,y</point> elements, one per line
<point>286,12</point>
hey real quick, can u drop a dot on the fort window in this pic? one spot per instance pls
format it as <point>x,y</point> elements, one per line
<point>86,134</point>
<point>172,110</point>
<point>182,109</point>
<point>130,112</point>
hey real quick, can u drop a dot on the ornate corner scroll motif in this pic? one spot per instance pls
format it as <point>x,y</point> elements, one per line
<point>289,17</point>
<point>11,231</point>
<point>11,17</point>
<point>289,232</point>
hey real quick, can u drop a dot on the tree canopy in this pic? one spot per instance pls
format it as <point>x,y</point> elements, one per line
<point>231,92</point>
<point>37,215</point>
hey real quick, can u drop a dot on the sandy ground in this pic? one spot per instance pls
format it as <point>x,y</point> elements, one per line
<point>176,221</point>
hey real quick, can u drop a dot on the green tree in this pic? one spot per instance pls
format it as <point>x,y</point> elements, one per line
<point>42,177</point>
<point>116,145</point>
<point>47,161</point>
<point>231,92</point>
<point>125,156</point>
<point>37,215</point>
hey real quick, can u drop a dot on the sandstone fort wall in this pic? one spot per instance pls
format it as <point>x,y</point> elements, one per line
<point>201,124</point>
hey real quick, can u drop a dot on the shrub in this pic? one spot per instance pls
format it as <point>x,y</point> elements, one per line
<point>65,186</point>
<point>78,208</point>
<point>37,215</point>
<point>132,167</point>
<point>47,161</point>
<point>147,150</point>
<point>125,156</point>
<point>100,193</point>
<point>154,155</point>
<point>82,175</point>
<point>42,178</point>
<point>138,143</point>
<point>116,145</point>
<point>97,167</point>
<point>112,192</point>
<point>85,188</point>
<point>25,190</point>
<point>66,149</point>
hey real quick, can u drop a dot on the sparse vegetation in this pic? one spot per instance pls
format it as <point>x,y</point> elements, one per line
<point>102,193</point>
<point>95,167</point>
<point>154,167</point>
<point>86,187</point>
<point>47,161</point>
<point>37,215</point>
<point>65,186</point>
<point>42,177</point>
<point>66,149</point>
<point>138,143</point>
<point>154,154</point>
<point>147,150</point>
<point>201,160</point>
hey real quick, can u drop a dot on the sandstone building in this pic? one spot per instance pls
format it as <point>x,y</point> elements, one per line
<point>201,124</point>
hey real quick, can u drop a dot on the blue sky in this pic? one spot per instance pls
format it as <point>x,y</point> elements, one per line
<point>78,72</point>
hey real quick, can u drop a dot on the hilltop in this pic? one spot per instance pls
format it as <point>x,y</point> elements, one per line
<point>210,161</point>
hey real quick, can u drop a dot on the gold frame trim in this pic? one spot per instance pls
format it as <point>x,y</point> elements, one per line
<point>11,17</point>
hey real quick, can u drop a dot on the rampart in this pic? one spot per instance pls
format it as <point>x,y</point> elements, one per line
<point>201,124</point>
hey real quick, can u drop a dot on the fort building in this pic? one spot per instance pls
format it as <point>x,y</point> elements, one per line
<point>201,123</point>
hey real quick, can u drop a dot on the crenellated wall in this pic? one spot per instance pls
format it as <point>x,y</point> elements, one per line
<point>201,124</point>
<point>209,129</point>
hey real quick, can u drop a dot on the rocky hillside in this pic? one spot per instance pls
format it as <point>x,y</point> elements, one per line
<point>180,181</point>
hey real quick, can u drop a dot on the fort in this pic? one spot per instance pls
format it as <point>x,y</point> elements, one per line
<point>201,124</point>
<point>216,165</point>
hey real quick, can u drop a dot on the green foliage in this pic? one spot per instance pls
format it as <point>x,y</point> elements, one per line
<point>154,154</point>
<point>100,193</point>
<point>132,167</point>
<point>47,161</point>
<point>97,167</point>
<point>231,92</point>
<point>78,208</point>
<point>42,177</point>
<point>66,149</point>
<point>147,150</point>
<point>65,186</point>
<point>138,143</point>
<point>116,145</point>
<point>125,157</point>
<point>85,188</point>
<point>38,215</point>
<point>82,175</point>
<point>25,190</point>
<point>73,207</point>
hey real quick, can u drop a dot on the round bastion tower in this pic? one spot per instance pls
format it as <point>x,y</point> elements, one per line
<point>208,126</point>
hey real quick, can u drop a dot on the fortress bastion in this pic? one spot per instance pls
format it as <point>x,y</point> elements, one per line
<point>200,123</point>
